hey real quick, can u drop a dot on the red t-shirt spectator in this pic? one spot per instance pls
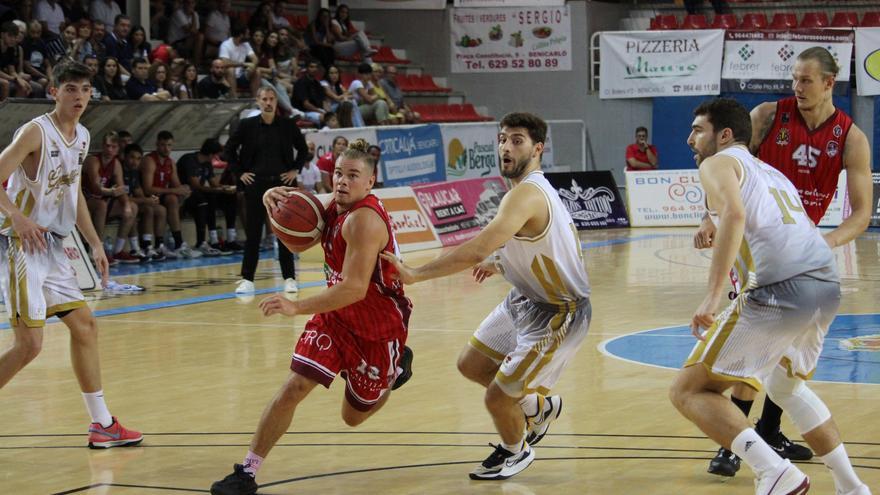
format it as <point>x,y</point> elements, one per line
<point>633,151</point>
<point>327,163</point>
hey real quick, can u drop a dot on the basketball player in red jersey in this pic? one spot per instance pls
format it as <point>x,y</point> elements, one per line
<point>810,141</point>
<point>360,322</point>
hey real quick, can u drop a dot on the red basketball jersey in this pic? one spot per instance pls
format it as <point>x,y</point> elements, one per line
<point>811,159</point>
<point>105,170</point>
<point>162,174</point>
<point>384,313</point>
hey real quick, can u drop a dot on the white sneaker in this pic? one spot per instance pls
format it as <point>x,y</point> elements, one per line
<point>184,251</point>
<point>167,253</point>
<point>290,286</point>
<point>207,250</point>
<point>786,480</point>
<point>244,286</point>
<point>502,464</point>
<point>538,426</point>
<point>861,490</point>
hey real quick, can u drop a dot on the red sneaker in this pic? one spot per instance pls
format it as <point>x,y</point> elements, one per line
<point>126,257</point>
<point>114,435</point>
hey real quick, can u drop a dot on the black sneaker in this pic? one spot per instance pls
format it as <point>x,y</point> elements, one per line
<point>234,246</point>
<point>405,364</point>
<point>725,463</point>
<point>785,447</point>
<point>502,464</point>
<point>222,248</point>
<point>237,483</point>
<point>538,427</point>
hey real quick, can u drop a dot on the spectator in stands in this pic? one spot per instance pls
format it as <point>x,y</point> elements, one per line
<point>341,101</point>
<point>284,78</point>
<point>99,32</point>
<point>140,47</point>
<point>395,116</point>
<point>106,198</point>
<point>262,18</point>
<point>375,152</point>
<point>395,95</point>
<point>308,95</point>
<point>73,10</point>
<point>189,86</point>
<point>372,107</point>
<point>292,41</point>
<point>215,85</point>
<point>183,32</point>
<point>264,49</point>
<point>310,176</point>
<point>140,87</point>
<point>279,20</point>
<point>197,171</point>
<point>327,163</point>
<point>104,11</point>
<point>319,38</point>
<point>348,41</point>
<point>641,155</point>
<point>260,150</point>
<point>150,212</point>
<point>217,27</point>
<point>117,44</point>
<point>36,56</point>
<point>286,54</point>
<point>329,121</point>
<point>109,80</point>
<point>694,6</point>
<point>160,178</point>
<point>82,44</point>
<point>158,77</point>
<point>14,81</point>
<point>69,42</point>
<point>240,60</point>
<point>91,61</point>
<point>50,13</point>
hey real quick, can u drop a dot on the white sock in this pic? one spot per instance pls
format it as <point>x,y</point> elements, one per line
<point>212,235</point>
<point>252,463</point>
<point>513,449</point>
<point>755,451</point>
<point>531,404</point>
<point>845,479</point>
<point>133,243</point>
<point>231,235</point>
<point>98,408</point>
<point>120,243</point>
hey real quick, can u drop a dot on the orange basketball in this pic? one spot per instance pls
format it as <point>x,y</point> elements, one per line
<point>298,220</point>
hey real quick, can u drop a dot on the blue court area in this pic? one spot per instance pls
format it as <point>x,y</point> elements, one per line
<point>851,353</point>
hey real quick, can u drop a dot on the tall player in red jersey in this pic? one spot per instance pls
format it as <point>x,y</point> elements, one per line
<point>360,322</point>
<point>810,141</point>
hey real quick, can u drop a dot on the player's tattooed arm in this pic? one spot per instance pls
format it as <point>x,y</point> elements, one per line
<point>762,121</point>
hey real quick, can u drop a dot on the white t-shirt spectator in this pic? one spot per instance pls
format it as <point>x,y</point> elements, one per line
<point>355,86</point>
<point>217,26</point>
<point>309,176</point>
<point>236,53</point>
<point>105,11</point>
<point>179,20</point>
<point>279,21</point>
<point>52,16</point>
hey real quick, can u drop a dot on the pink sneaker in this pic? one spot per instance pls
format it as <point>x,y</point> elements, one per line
<point>114,435</point>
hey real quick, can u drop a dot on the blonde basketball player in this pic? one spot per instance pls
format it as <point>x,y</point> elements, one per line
<point>772,333</point>
<point>44,167</point>
<point>522,347</point>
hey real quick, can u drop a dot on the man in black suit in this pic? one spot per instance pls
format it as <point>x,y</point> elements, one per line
<point>260,152</point>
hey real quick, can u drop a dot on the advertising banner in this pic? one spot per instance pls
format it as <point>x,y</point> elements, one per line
<point>411,155</point>
<point>762,61</point>
<point>471,150</point>
<point>460,209</point>
<point>508,3</point>
<point>641,64</point>
<point>412,227</point>
<point>592,199</point>
<point>664,198</point>
<point>839,207</point>
<point>868,61</point>
<point>397,4</point>
<point>510,39</point>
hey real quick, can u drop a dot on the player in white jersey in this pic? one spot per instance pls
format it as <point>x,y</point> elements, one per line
<point>772,333</point>
<point>521,348</point>
<point>41,205</point>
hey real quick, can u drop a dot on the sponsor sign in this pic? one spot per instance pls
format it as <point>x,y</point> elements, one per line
<point>459,210</point>
<point>86,276</point>
<point>508,3</point>
<point>412,226</point>
<point>762,61</point>
<point>875,214</point>
<point>639,64</point>
<point>661,198</point>
<point>398,4</point>
<point>411,155</point>
<point>493,40</point>
<point>471,151</point>
<point>868,61</point>
<point>839,207</point>
<point>591,198</point>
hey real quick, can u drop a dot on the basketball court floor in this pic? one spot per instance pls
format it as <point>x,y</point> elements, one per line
<point>192,366</point>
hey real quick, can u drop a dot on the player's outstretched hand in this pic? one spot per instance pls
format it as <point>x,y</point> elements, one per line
<point>277,304</point>
<point>483,271</point>
<point>405,273</point>
<point>705,234</point>
<point>276,195</point>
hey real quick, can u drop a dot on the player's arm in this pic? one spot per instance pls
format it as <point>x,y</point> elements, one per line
<point>516,209</point>
<point>27,143</point>
<point>87,229</point>
<point>762,121</point>
<point>366,235</point>
<point>148,169</point>
<point>857,161</point>
<point>92,178</point>
<point>638,164</point>
<point>118,189</point>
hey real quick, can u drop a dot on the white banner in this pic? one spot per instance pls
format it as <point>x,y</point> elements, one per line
<point>471,150</point>
<point>839,207</point>
<point>508,3</point>
<point>640,64</point>
<point>510,39</point>
<point>397,4</point>
<point>664,198</point>
<point>868,61</point>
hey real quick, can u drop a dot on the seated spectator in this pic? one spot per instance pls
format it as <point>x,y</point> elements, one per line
<point>395,116</point>
<point>215,85</point>
<point>36,56</point>
<point>91,61</point>
<point>14,80</point>
<point>69,43</point>
<point>641,155</point>
<point>327,163</point>
<point>309,177</point>
<point>158,76</point>
<point>286,54</point>
<point>109,80</point>
<point>372,107</point>
<point>50,13</point>
<point>329,121</point>
<point>348,41</point>
<point>376,153</point>
<point>117,44</point>
<point>159,177</point>
<point>240,60</point>
<point>197,171</point>
<point>82,45</point>
<point>183,32</point>
<point>282,80</point>
<point>308,95</point>
<point>279,20</point>
<point>73,10</point>
<point>104,189</point>
<point>104,11</point>
<point>139,86</point>
<point>262,18</point>
<point>99,32</point>
<point>150,212</point>
<point>188,89</point>
<point>140,47</point>
<point>319,38</point>
<point>341,101</point>
<point>217,27</point>
<point>395,96</point>
<point>265,53</point>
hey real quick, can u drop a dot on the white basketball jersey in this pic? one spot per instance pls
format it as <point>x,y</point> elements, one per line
<point>51,199</point>
<point>548,268</point>
<point>780,241</point>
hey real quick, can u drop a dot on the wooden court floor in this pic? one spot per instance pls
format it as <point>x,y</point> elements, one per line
<point>192,367</point>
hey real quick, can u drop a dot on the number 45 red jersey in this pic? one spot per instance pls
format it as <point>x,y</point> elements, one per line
<point>812,160</point>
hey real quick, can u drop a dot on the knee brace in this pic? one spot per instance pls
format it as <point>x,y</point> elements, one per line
<point>803,406</point>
